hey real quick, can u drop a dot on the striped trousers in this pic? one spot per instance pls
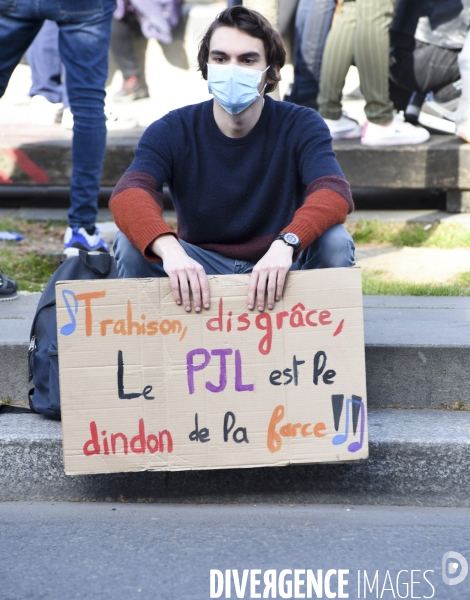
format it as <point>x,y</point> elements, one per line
<point>360,36</point>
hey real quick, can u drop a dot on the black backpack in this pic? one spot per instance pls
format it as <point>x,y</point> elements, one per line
<point>43,360</point>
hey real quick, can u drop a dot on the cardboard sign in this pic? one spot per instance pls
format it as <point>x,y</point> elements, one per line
<point>145,385</point>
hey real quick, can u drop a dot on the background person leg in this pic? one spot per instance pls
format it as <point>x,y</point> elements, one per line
<point>48,92</point>
<point>125,33</point>
<point>426,68</point>
<point>312,23</point>
<point>371,55</point>
<point>84,46</point>
<point>44,60</point>
<point>16,35</point>
<point>337,58</point>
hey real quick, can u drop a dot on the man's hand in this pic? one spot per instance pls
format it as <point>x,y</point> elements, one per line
<point>186,275</point>
<point>269,274</point>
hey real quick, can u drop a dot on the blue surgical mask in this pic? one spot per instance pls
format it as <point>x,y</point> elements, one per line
<point>235,88</point>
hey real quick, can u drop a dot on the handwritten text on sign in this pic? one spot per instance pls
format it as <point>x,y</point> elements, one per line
<point>146,385</point>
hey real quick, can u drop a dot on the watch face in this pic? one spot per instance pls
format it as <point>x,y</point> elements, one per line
<point>291,238</point>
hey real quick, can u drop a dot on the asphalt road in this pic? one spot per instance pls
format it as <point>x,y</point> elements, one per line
<point>68,551</point>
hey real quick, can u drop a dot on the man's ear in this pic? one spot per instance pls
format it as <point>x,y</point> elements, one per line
<point>277,70</point>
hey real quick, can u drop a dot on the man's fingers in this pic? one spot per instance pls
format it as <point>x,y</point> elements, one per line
<point>184,287</point>
<point>272,279</point>
<point>261,287</point>
<point>205,289</point>
<point>175,286</point>
<point>252,289</point>
<point>281,280</point>
<point>195,286</point>
<point>187,278</point>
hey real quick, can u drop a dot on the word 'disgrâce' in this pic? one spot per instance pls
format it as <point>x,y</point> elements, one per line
<point>297,317</point>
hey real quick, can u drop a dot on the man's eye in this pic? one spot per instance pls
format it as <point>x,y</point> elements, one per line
<point>219,59</point>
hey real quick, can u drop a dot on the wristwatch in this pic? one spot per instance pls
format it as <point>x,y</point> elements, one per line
<point>291,240</point>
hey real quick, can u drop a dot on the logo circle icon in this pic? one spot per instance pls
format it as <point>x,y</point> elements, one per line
<point>450,569</point>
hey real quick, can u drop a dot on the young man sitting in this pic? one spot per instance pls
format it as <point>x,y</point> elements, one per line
<point>255,182</point>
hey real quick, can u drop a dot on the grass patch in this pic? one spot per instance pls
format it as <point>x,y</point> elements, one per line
<point>27,261</point>
<point>464,279</point>
<point>27,226</point>
<point>438,235</point>
<point>30,271</point>
<point>373,284</point>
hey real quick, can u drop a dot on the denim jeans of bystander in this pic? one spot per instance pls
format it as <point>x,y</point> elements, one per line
<point>84,38</point>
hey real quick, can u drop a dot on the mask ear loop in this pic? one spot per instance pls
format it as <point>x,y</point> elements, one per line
<point>265,85</point>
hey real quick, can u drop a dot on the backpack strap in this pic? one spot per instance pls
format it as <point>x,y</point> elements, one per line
<point>30,401</point>
<point>11,408</point>
<point>100,264</point>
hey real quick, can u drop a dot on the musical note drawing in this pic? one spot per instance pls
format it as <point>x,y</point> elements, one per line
<point>69,328</point>
<point>337,402</point>
<point>358,409</point>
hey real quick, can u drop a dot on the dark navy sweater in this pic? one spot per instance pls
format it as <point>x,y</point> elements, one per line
<point>233,195</point>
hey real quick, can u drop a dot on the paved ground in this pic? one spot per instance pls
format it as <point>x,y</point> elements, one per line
<point>415,265</point>
<point>118,551</point>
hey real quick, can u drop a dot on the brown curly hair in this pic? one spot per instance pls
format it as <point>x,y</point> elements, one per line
<point>254,24</point>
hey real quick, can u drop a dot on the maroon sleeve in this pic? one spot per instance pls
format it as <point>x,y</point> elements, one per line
<point>328,203</point>
<point>137,207</point>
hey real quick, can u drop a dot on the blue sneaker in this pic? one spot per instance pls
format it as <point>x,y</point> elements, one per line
<point>8,288</point>
<point>79,238</point>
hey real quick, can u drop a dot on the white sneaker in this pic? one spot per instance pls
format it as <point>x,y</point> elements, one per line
<point>67,119</point>
<point>43,112</point>
<point>113,121</point>
<point>397,133</point>
<point>462,119</point>
<point>343,128</point>
<point>462,130</point>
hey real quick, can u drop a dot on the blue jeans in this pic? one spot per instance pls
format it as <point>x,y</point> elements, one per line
<point>47,71</point>
<point>84,37</point>
<point>312,23</point>
<point>335,248</point>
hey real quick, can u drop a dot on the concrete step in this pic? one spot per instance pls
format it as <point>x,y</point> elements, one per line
<point>417,457</point>
<point>417,350</point>
<point>441,163</point>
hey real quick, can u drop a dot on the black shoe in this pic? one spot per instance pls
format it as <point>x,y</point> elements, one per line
<point>8,288</point>
<point>133,88</point>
